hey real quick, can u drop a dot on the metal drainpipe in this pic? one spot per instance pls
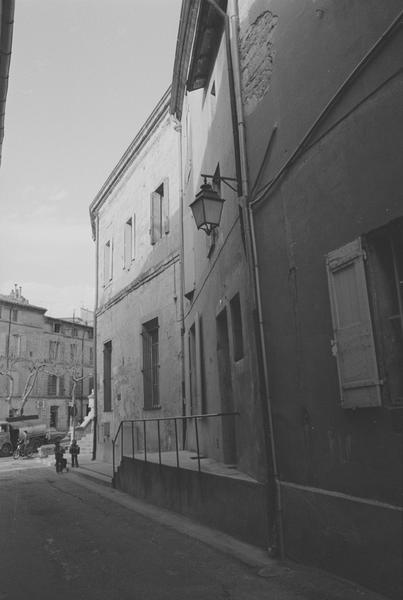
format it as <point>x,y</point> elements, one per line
<point>178,128</point>
<point>95,420</point>
<point>250,232</point>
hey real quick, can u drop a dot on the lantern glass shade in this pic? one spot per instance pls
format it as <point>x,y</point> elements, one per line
<point>207,208</point>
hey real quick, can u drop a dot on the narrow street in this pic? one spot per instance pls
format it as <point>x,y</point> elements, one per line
<point>63,537</point>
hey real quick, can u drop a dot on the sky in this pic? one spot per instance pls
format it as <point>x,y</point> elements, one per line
<point>84,76</point>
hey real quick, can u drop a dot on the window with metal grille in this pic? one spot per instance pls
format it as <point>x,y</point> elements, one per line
<point>53,416</point>
<point>150,364</point>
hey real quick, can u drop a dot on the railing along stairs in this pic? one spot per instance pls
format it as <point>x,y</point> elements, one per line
<point>119,438</point>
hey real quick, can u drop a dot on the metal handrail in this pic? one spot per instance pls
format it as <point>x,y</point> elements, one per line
<point>157,420</point>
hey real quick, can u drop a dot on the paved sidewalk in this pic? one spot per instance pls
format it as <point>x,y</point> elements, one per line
<point>304,582</point>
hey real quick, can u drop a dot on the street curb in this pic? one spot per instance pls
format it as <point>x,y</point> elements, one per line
<point>98,478</point>
<point>308,579</point>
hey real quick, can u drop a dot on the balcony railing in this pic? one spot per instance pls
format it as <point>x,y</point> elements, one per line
<point>130,424</point>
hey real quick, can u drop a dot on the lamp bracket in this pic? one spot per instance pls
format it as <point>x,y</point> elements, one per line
<point>224,179</point>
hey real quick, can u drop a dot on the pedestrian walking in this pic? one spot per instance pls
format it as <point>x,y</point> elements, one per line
<point>59,457</point>
<point>74,451</point>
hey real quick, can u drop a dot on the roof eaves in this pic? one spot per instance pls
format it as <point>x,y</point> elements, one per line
<point>187,26</point>
<point>129,155</point>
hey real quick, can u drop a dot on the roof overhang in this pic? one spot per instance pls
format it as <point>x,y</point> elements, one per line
<point>6,38</point>
<point>200,30</point>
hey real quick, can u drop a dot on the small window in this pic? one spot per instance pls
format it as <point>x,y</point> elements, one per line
<point>159,212</point>
<point>56,327</point>
<point>73,352</point>
<point>150,364</point>
<point>91,384</point>
<point>106,429</point>
<point>236,322</point>
<point>0,311</point>
<point>74,332</point>
<point>91,355</point>
<point>90,334</point>
<point>14,315</point>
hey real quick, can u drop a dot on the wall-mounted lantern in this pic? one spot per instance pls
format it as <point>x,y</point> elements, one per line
<point>207,205</point>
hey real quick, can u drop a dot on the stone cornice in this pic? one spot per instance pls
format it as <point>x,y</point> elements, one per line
<point>159,112</point>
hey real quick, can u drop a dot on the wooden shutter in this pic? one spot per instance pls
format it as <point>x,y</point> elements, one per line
<point>133,240</point>
<point>127,252</point>
<point>111,261</point>
<point>107,249</point>
<point>353,344</point>
<point>155,217</point>
<point>165,207</point>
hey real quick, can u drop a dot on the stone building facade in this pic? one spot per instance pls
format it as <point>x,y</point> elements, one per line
<point>135,219</point>
<point>46,354</point>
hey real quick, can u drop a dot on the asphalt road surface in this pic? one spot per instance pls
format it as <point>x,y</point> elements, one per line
<point>62,539</point>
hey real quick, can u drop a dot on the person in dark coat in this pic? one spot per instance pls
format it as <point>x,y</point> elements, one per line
<point>74,451</point>
<point>59,457</point>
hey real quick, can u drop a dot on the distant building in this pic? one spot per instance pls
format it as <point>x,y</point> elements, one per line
<point>135,220</point>
<point>46,353</point>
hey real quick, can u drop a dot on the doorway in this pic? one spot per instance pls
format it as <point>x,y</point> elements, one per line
<point>226,391</point>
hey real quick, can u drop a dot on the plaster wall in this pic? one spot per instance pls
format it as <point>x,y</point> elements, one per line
<point>346,183</point>
<point>149,288</point>
<point>213,275</point>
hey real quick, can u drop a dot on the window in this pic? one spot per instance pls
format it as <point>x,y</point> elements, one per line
<point>107,377</point>
<point>106,427</point>
<point>159,212</point>
<point>197,405</point>
<point>365,284</point>
<point>91,355</point>
<point>236,322</point>
<point>15,345</point>
<point>91,384</point>
<point>56,327</point>
<point>74,332</point>
<point>53,350</point>
<point>73,352</point>
<point>150,364</point>
<point>52,385</point>
<point>14,314</point>
<point>90,334</point>
<point>108,262</point>
<point>53,416</point>
<point>129,242</point>
<point>0,311</point>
